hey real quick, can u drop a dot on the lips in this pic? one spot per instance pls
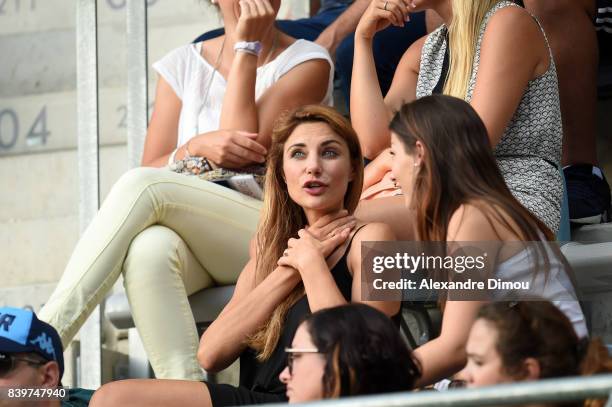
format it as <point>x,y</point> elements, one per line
<point>314,187</point>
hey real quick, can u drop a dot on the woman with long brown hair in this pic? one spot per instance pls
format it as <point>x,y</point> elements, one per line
<point>451,181</point>
<point>172,235</point>
<point>314,171</point>
<point>494,55</point>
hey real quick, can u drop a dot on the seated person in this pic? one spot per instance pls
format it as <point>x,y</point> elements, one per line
<point>344,351</point>
<point>333,26</point>
<point>31,356</point>
<point>573,41</point>
<point>314,171</point>
<point>452,186</point>
<point>473,56</point>
<point>531,340</point>
<point>172,235</point>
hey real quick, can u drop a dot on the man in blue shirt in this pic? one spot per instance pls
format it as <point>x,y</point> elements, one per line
<point>332,25</point>
<point>31,357</point>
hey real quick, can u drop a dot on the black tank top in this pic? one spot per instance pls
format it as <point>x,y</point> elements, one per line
<point>263,376</point>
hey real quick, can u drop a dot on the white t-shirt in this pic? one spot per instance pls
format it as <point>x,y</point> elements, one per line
<point>188,74</point>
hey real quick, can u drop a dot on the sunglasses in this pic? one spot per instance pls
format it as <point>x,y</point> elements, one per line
<point>291,352</point>
<point>8,362</point>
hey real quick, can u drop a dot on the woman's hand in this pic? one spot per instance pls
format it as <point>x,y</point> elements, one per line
<point>329,226</point>
<point>380,14</point>
<point>228,148</point>
<point>256,18</point>
<point>307,252</point>
<point>376,170</point>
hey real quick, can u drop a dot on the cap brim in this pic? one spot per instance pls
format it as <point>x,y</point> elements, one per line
<point>8,346</point>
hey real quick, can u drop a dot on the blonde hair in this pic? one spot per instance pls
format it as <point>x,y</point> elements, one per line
<point>463,33</point>
<point>282,218</point>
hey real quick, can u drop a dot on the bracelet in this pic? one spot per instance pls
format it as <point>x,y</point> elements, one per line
<point>253,48</point>
<point>172,157</point>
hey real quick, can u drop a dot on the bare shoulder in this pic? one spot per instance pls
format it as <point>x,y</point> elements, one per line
<point>412,56</point>
<point>375,231</point>
<point>515,24</point>
<point>471,222</point>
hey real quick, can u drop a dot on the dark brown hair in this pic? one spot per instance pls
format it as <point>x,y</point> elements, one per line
<point>539,330</point>
<point>363,350</point>
<point>458,168</point>
<point>281,218</point>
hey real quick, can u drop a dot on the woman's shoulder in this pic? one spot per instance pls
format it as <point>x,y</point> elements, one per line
<point>180,53</point>
<point>471,221</point>
<point>511,20</point>
<point>480,220</point>
<point>304,49</point>
<point>372,231</point>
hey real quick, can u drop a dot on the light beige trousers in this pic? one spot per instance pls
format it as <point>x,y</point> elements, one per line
<point>171,235</point>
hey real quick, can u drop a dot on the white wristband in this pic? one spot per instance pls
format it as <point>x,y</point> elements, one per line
<point>253,48</point>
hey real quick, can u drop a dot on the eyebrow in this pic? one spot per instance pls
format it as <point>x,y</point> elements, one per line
<point>325,143</point>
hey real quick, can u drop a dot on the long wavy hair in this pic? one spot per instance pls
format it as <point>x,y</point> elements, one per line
<point>458,167</point>
<point>282,218</point>
<point>363,350</point>
<point>463,33</point>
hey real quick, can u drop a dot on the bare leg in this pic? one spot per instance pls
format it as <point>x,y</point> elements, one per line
<point>392,211</point>
<point>152,393</point>
<point>569,28</point>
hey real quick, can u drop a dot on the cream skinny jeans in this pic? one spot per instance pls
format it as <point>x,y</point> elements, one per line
<point>171,235</point>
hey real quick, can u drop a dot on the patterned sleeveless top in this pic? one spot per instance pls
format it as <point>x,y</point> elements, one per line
<point>529,152</point>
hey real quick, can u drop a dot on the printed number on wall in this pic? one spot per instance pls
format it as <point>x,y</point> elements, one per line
<point>15,6</point>
<point>120,4</point>
<point>37,134</point>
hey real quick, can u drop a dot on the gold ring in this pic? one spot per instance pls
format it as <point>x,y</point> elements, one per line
<point>385,8</point>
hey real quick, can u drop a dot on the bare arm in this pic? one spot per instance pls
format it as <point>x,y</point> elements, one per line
<point>304,84</point>
<point>163,128</point>
<point>248,309</point>
<point>372,232</point>
<point>344,25</point>
<point>370,113</point>
<point>444,356</point>
<point>504,73</point>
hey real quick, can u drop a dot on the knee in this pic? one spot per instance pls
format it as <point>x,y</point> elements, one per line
<point>152,249</point>
<point>110,394</point>
<point>137,179</point>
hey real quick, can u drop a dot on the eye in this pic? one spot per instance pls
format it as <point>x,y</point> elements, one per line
<point>297,154</point>
<point>391,152</point>
<point>330,153</point>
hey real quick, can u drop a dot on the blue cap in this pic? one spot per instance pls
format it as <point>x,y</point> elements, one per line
<point>22,332</point>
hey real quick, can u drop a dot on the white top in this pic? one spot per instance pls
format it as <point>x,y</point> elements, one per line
<point>557,288</point>
<point>188,73</point>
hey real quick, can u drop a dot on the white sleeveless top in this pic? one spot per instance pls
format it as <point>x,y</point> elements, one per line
<point>556,288</point>
<point>188,74</point>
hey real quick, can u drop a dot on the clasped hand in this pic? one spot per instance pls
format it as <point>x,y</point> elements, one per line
<point>229,148</point>
<point>318,241</point>
<point>256,18</point>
